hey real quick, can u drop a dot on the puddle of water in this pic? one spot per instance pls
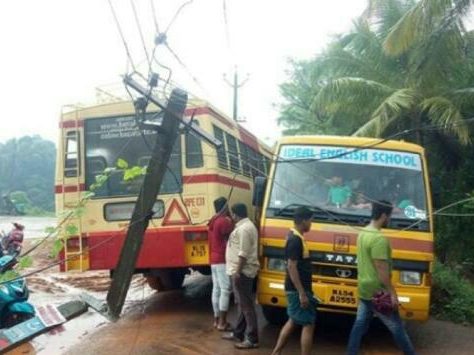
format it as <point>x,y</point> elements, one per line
<point>78,329</point>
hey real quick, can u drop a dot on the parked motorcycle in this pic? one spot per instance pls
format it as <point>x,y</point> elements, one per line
<point>14,307</point>
<point>12,242</point>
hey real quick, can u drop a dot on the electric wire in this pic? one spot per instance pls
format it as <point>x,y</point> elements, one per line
<point>139,27</point>
<point>176,14</point>
<point>62,261</point>
<point>124,41</point>
<point>155,19</point>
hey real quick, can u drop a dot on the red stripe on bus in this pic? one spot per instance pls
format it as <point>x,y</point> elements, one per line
<point>71,124</point>
<point>190,179</point>
<point>208,111</point>
<point>150,230</point>
<point>423,246</point>
<point>59,189</point>
<point>206,178</point>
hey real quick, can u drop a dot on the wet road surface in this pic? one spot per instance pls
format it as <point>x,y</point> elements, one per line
<point>179,322</point>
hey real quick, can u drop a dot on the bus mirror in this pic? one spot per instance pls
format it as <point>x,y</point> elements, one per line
<point>259,186</point>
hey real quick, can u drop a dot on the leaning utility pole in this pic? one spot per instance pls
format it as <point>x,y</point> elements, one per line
<point>165,139</point>
<point>235,86</point>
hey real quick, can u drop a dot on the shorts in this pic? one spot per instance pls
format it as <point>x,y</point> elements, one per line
<point>301,316</point>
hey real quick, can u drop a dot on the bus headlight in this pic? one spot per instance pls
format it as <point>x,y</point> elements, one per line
<point>410,277</point>
<point>276,264</point>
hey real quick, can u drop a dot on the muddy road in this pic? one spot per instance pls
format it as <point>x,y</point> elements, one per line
<point>179,322</point>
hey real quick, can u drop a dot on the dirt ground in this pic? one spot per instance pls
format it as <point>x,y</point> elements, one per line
<point>179,322</point>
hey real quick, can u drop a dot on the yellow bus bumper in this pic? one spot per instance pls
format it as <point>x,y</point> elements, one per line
<point>342,298</point>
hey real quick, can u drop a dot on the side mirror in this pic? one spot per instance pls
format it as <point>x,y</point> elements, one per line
<point>259,187</point>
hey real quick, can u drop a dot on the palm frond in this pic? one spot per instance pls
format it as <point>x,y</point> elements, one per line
<point>390,108</point>
<point>462,97</point>
<point>356,91</point>
<point>444,113</point>
<point>404,33</point>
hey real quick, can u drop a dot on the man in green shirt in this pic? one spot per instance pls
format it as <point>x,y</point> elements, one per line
<point>374,264</point>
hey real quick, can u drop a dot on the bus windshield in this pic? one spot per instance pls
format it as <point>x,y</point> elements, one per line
<point>339,184</point>
<point>112,138</point>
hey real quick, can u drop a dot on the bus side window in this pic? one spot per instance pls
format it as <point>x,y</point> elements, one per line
<point>253,157</point>
<point>193,148</point>
<point>221,152</point>
<point>71,155</point>
<point>267,164</point>
<point>234,157</point>
<point>244,155</point>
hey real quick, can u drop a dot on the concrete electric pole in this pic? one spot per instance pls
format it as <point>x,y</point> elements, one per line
<point>235,85</point>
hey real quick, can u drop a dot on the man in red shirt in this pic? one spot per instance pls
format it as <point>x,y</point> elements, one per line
<point>220,227</point>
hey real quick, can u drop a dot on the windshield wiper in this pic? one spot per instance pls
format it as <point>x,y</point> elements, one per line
<point>320,213</point>
<point>293,206</point>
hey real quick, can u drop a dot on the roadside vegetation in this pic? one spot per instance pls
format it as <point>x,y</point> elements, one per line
<point>404,66</point>
<point>27,175</point>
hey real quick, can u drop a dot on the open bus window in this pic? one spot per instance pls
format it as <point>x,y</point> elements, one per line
<point>345,187</point>
<point>71,158</point>
<point>112,138</point>
<point>193,148</point>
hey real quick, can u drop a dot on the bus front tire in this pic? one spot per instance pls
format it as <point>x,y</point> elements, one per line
<point>275,315</point>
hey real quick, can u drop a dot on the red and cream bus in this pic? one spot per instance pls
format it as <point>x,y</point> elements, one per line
<point>93,139</point>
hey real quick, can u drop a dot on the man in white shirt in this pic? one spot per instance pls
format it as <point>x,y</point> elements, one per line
<point>242,266</point>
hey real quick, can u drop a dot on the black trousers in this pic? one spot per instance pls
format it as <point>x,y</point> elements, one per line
<point>247,325</point>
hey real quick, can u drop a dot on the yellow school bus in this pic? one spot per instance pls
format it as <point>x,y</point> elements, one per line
<point>93,139</point>
<point>312,171</point>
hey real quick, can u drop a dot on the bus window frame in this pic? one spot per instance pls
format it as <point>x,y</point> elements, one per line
<point>194,154</point>
<point>222,159</point>
<point>233,154</point>
<point>74,171</point>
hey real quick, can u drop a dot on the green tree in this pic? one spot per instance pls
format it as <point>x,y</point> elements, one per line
<point>366,83</point>
<point>27,165</point>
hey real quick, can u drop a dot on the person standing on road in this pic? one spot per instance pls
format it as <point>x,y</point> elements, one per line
<point>220,226</point>
<point>242,265</point>
<point>301,302</point>
<point>374,261</point>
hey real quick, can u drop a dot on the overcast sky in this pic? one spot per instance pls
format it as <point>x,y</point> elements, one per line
<point>56,52</point>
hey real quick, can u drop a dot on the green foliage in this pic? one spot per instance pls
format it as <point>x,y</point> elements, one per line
<point>122,164</point>
<point>27,165</point>
<point>57,247</point>
<point>9,275</point>
<point>134,173</point>
<point>25,262</point>
<point>453,295</point>
<point>402,66</point>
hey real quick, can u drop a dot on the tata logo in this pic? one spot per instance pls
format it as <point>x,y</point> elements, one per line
<point>341,243</point>
<point>341,258</point>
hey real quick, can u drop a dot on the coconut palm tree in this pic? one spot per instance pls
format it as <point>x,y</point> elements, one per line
<point>405,64</point>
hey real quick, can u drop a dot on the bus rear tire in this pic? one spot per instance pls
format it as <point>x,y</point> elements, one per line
<point>275,315</point>
<point>166,280</point>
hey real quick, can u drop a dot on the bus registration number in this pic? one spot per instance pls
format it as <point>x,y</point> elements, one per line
<point>197,252</point>
<point>342,297</point>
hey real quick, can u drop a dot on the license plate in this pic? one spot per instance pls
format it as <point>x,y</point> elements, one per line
<point>342,297</point>
<point>197,253</point>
